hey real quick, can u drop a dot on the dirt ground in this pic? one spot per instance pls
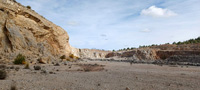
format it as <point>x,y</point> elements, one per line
<point>102,75</point>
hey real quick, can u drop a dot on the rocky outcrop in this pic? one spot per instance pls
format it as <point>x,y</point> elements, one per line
<point>182,47</point>
<point>136,54</point>
<point>167,54</point>
<point>24,31</point>
<point>146,54</point>
<point>89,53</point>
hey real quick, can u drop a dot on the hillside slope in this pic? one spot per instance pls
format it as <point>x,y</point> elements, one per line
<point>24,31</point>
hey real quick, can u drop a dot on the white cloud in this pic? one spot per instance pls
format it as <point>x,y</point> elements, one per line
<point>146,30</point>
<point>103,35</point>
<point>157,12</point>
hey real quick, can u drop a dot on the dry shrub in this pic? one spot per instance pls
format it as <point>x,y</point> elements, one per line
<point>27,66</point>
<point>73,57</point>
<point>63,57</point>
<point>29,7</point>
<point>3,74</point>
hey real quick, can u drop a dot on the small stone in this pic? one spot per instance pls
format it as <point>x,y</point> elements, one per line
<point>37,67</point>
<point>57,64</point>
<point>127,88</point>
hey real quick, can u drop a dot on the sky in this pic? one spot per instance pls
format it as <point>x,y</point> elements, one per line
<point>117,24</point>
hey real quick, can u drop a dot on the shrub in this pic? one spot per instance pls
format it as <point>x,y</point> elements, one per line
<point>20,59</point>
<point>68,59</point>
<point>3,74</point>
<point>29,7</point>
<point>63,57</point>
<point>71,56</point>
<point>27,66</point>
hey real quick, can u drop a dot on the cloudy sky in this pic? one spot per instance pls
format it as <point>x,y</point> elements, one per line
<point>116,24</point>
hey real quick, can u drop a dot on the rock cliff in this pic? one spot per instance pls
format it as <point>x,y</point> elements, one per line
<point>169,53</point>
<point>24,31</point>
<point>136,54</point>
<point>90,53</point>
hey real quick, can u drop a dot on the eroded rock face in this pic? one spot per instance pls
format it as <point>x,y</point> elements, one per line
<point>24,31</point>
<point>171,55</point>
<point>137,54</point>
<point>89,53</point>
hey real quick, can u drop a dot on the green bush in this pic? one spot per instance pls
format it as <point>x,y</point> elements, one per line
<point>29,7</point>
<point>20,59</point>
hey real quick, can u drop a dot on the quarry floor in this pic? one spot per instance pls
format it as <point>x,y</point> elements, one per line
<point>102,75</point>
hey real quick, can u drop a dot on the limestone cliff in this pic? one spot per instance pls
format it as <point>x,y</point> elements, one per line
<point>136,54</point>
<point>169,53</point>
<point>24,31</point>
<point>89,53</point>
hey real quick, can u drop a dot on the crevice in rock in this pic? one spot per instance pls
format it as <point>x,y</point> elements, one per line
<point>7,40</point>
<point>46,27</point>
<point>1,9</point>
<point>27,15</point>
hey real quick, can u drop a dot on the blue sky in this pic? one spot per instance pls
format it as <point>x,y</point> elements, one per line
<point>116,24</point>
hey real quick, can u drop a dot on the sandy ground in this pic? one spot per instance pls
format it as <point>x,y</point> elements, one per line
<point>97,75</point>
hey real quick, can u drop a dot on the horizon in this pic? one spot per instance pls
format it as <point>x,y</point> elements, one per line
<point>118,24</point>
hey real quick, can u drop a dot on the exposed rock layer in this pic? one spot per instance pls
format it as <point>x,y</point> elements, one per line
<point>170,53</point>
<point>90,53</point>
<point>24,31</point>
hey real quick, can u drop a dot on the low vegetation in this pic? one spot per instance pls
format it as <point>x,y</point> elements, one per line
<point>27,66</point>
<point>63,57</point>
<point>29,7</point>
<point>3,74</point>
<point>72,57</point>
<point>191,41</point>
<point>20,59</point>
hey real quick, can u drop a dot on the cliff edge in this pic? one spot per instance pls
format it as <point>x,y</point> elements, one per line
<point>24,31</point>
